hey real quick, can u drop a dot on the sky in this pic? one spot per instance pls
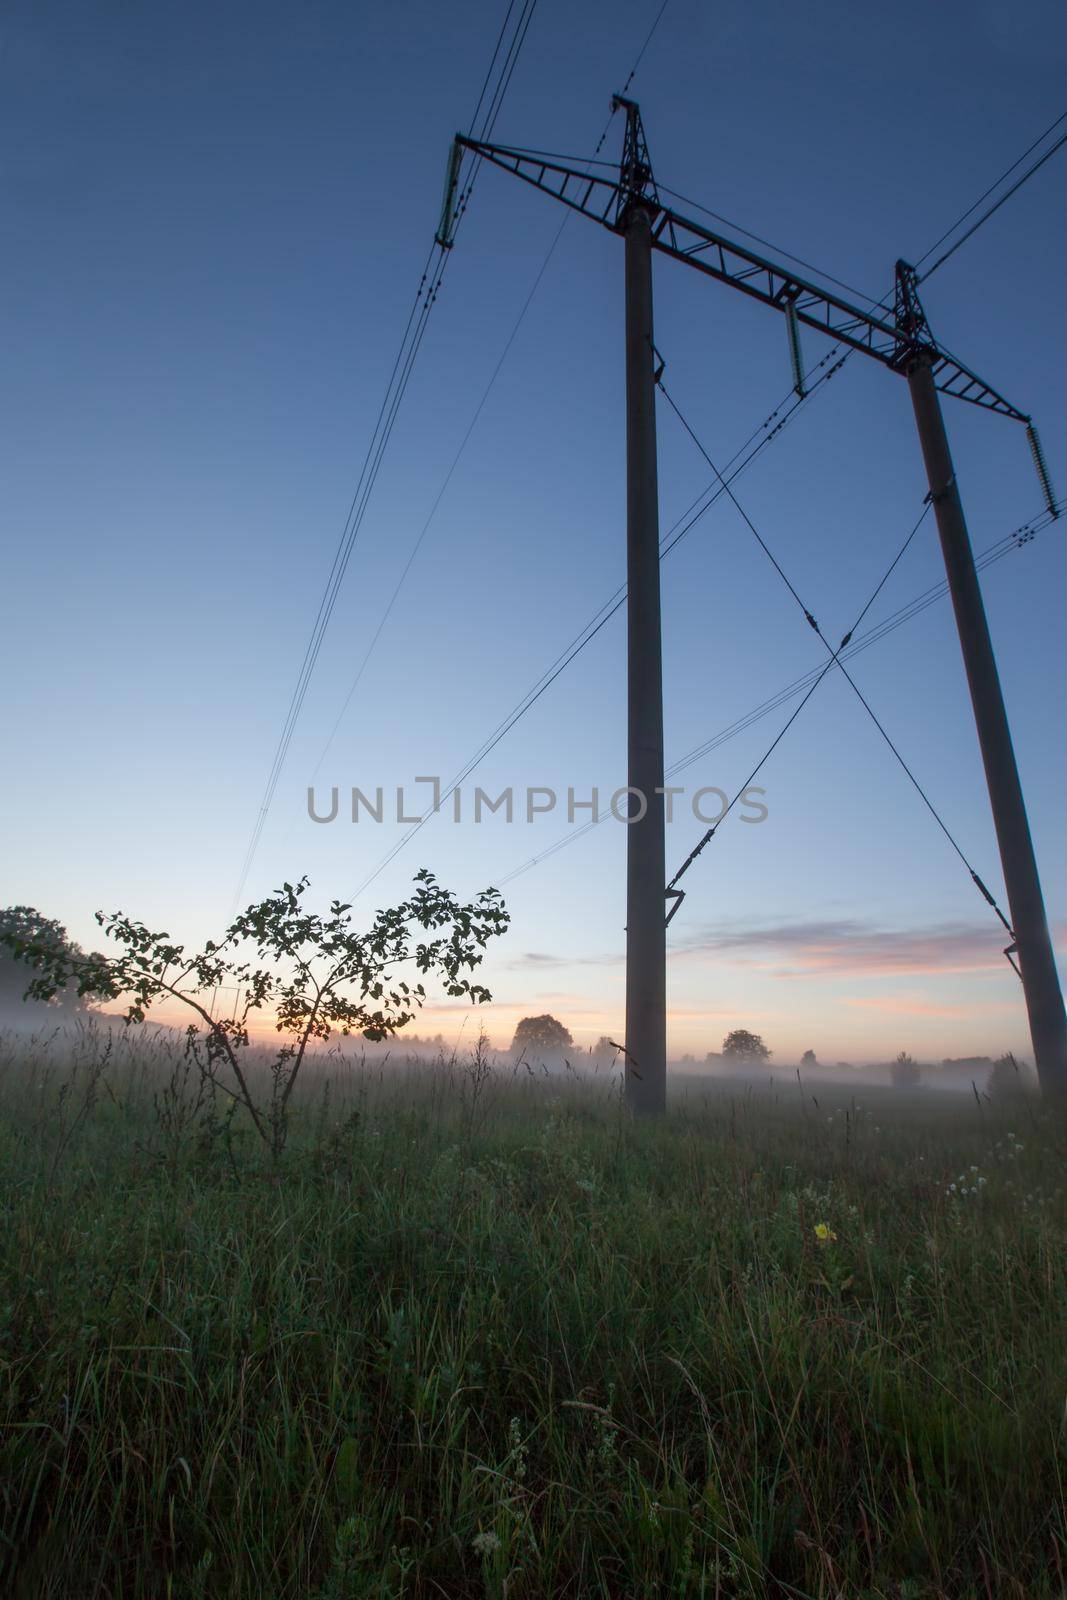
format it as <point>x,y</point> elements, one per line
<point>212,227</point>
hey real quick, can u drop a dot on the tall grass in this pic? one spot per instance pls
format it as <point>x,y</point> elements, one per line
<point>489,1338</point>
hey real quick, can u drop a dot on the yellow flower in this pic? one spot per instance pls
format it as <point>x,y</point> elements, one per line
<point>824,1234</point>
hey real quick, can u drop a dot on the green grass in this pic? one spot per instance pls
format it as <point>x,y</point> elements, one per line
<point>492,1339</point>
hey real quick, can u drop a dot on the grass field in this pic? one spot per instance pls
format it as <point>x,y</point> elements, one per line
<point>481,1337</point>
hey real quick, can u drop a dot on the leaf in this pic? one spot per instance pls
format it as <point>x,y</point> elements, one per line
<point>346,1470</point>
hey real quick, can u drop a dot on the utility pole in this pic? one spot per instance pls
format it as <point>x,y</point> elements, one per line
<point>1032,943</point>
<point>629,205</point>
<point>646,872</point>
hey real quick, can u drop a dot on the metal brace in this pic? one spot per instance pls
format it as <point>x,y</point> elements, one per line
<point>677,895</point>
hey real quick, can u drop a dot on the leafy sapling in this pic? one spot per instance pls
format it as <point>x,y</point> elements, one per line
<point>318,975</point>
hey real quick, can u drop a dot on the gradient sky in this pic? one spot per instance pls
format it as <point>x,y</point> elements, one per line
<point>213,220</point>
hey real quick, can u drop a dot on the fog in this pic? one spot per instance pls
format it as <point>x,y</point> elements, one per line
<point>61,1026</point>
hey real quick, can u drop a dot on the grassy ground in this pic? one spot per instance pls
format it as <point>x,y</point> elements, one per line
<point>486,1339</point>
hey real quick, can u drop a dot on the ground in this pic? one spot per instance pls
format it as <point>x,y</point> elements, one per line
<point>487,1337</point>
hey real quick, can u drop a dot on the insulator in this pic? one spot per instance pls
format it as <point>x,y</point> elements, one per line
<point>444,231</point>
<point>795,356</point>
<point>1042,469</point>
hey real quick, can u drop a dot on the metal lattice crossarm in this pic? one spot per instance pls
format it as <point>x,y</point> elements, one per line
<point>875,333</point>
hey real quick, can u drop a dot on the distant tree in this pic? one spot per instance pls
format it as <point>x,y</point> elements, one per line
<point>808,1059</point>
<point>20,928</point>
<point>905,1071</point>
<point>740,1045</point>
<point>538,1036</point>
<point>1010,1079</point>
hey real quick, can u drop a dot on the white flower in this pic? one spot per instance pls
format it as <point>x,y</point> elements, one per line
<point>484,1544</point>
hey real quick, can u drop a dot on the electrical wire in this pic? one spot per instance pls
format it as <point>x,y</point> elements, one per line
<point>410,344</point>
<point>991,190</point>
<point>588,162</point>
<point>835,660</point>
<point>698,508</point>
<point>1002,547</point>
<point>993,209</point>
<point>417,546</point>
<point>834,360</point>
<point>493,61</point>
<point>641,53</point>
<point>505,77</point>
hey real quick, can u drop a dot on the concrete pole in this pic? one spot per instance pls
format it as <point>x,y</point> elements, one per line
<point>646,875</point>
<point>1041,984</point>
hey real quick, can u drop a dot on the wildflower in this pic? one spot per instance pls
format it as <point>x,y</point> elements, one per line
<point>486,1543</point>
<point>517,1451</point>
<point>824,1234</point>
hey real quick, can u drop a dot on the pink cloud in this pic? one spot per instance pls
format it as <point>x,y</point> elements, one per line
<point>847,947</point>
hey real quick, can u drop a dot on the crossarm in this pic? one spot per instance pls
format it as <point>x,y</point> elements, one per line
<point>873,333</point>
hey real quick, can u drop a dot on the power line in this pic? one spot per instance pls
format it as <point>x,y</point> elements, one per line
<point>879,633</point>
<point>417,546</point>
<point>492,63</point>
<point>835,660</point>
<point>428,298</point>
<point>411,341</point>
<point>1002,547</point>
<point>641,53</point>
<point>589,162</point>
<point>984,218</point>
<point>838,357</point>
<point>368,477</point>
<point>769,429</point>
<point>874,635</point>
<point>833,361</point>
<point>764,434</point>
<point>992,188</point>
<point>767,245</point>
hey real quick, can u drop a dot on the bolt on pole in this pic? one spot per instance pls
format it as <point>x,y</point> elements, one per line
<point>1037,963</point>
<point>646,873</point>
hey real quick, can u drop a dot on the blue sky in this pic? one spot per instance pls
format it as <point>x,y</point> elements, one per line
<point>213,222</point>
